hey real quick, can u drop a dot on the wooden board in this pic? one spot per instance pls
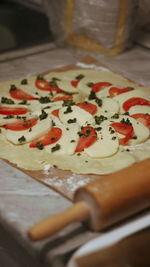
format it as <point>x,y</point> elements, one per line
<point>64,182</point>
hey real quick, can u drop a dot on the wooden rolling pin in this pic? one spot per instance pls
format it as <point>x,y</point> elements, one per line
<point>103,202</point>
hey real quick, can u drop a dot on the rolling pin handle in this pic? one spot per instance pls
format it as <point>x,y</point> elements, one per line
<point>53,224</point>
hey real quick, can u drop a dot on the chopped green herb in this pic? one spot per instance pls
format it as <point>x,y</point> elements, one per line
<point>126,113</point>
<point>79,77</point>
<point>100,119</point>
<point>40,77</point>
<point>98,128</point>
<point>72,120</point>
<point>115,116</point>
<point>5,100</point>
<point>92,95</point>
<point>114,138</point>
<point>24,81</point>
<point>30,129</point>
<point>55,148</point>
<point>53,123</point>
<point>134,137</point>
<point>127,121</point>
<point>68,110</point>
<point>13,87</point>
<point>68,102</point>
<point>43,115</point>
<point>99,101</point>
<point>21,139</point>
<point>90,84</point>
<point>9,117</point>
<point>23,102</point>
<point>39,145</point>
<point>44,99</point>
<point>72,141</point>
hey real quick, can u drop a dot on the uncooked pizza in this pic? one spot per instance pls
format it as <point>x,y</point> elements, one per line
<point>86,121</point>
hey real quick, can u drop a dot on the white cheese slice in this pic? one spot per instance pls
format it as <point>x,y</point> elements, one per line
<point>68,140</point>
<point>108,109</point>
<point>66,86</point>
<point>139,109</point>
<point>106,145</point>
<point>81,116</point>
<point>125,96</point>
<point>39,129</point>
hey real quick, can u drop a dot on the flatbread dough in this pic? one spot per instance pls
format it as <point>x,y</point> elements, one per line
<point>34,159</point>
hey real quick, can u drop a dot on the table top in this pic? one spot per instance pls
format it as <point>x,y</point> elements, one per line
<point>24,201</point>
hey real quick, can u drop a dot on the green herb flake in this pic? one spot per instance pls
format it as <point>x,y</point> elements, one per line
<point>92,95</point>
<point>39,145</point>
<point>68,110</point>
<point>72,141</point>
<point>72,120</point>
<point>115,116</point>
<point>99,101</point>
<point>5,100</point>
<point>21,139</point>
<point>100,119</point>
<point>24,81</point>
<point>68,102</point>
<point>9,117</point>
<point>13,87</point>
<point>79,77</point>
<point>90,84</point>
<point>23,102</point>
<point>126,122</point>
<point>55,148</point>
<point>40,77</point>
<point>44,99</point>
<point>43,115</point>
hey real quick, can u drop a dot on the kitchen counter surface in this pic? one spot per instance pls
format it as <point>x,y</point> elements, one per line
<point>25,201</point>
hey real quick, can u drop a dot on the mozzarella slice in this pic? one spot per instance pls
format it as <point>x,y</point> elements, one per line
<point>139,109</point>
<point>66,86</point>
<point>125,96</point>
<point>67,142</point>
<point>106,145</point>
<point>39,129</point>
<point>108,109</point>
<point>77,114</point>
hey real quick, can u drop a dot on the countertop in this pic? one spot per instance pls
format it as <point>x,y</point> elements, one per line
<point>24,201</point>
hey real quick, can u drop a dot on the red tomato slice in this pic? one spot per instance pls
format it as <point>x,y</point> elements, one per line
<point>135,101</point>
<point>20,95</point>
<point>5,110</point>
<point>143,118</point>
<point>63,98</point>
<point>75,83</point>
<point>21,125</point>
<point>56,113</point>
<point>123,129</point>
<point>89,107</point>
<point>45,86</point>
<point>114,91</point>
<point>49,138</point>
<point>96,87</point>
<point>87,139</point>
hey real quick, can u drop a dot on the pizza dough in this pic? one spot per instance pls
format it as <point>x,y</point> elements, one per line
<point>68,101</point>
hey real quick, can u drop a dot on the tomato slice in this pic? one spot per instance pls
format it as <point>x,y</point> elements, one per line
<point>52,136</point>
<point>56,112</point>
<point>143,118</point>
<point>20,95</point>
<point>89,107</point>
<point>96,87</point>
<point>63,98</point>
<point>87,138</point>
<point>114,91</point>
<point>74,83</point>
<point>5,110</point>
<point>135,101</point>
<point>45,86</point>
<point>21,125</point>
<point>123,129</point>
